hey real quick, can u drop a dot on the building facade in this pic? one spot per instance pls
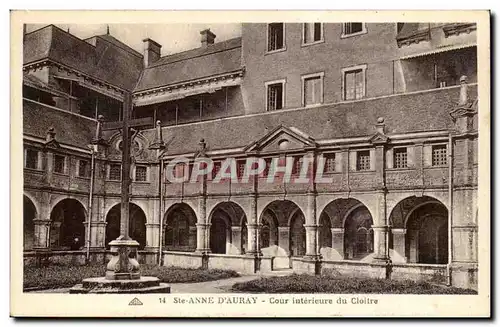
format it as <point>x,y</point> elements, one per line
<point>386,111</point>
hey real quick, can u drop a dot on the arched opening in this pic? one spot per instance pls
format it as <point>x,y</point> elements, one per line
<point>29,214</point>
<point>228,229</point>
<point>137,224</point>
<point>297,235</point>
<point>268,230</point>
<point>67,230</point>
<point>179,228</point>
<point>427,235</point>
<point>325,231</point>
<point>358,234</point>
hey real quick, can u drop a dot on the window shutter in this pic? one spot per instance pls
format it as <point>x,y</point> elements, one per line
<point>372,159</point>
<point>389,156</point>
<point>352,160</point>
<point>427,155</point>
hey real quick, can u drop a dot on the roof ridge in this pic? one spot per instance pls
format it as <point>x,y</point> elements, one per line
<point>128,48</point>
<point>156,64</point>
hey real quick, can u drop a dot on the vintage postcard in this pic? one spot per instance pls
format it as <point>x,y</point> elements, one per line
<point>250,164</point>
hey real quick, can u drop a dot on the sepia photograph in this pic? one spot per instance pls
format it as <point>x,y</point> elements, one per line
<point>252,163</point>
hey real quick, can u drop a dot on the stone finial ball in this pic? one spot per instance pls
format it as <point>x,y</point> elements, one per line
<point>463,79</point>
<point>380,120</point>
<point>202,141</point>
<point>100,117</point>
<point>158,123</point>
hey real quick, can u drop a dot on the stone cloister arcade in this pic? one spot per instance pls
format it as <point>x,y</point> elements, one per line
<point>345,229</point>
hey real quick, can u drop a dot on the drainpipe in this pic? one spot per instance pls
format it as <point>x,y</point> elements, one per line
<point>91,195</point>
<point>450,205</point>
<point>160,191</point>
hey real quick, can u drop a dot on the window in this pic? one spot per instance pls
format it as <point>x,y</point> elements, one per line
<point>240,166</point>
<point>216,169</point>
<point>363,160</point>
<point>267,167</point>
<point>400,158</point>
<point>297,164</point>
<point>83,168</point>
<point>329,163</point>
<point>275,95</point>
<point>350,29</point>
<point>354,83</point>
<point>141,173</point>
<point>312,89</point>
<point>275,36</point>
<point>439,154</point>
<point>59,164</point>
<point>313,32</point>
<point>115,172</point>
<point>31,159</point>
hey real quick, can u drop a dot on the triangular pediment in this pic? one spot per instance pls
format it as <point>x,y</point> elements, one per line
<point>53,144</point>
<point>282,139</point>
<point>379,138</point>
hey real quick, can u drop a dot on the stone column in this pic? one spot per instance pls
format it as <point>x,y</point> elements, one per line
<point>202,243</point>
<point>192,237</point>
<point>253,229</point>
<point>381,230</point>
<point>236,239</point>
<point>152,236</point>
<point>399,242</point>
<point>42,234</point>
<point>98,234</point>
<point>413,240</point>
<point>311,240</point>
<point>284,238</point>
<point>338,240</point>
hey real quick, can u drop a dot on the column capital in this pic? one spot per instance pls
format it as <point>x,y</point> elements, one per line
<point>337,230</point>
<point>401,231</point>
<point>381,228</point>
<point>236,228</point>
<point>42,221</point>
<point>283,228</point>
<point>152,225</point>
<point>203,225</point>
<point>311,226</point>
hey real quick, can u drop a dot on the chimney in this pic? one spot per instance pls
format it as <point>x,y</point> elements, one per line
<point>207,38</point>
<point>152,51</point>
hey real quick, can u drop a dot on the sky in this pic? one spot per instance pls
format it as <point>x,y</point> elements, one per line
<point>173,37</point>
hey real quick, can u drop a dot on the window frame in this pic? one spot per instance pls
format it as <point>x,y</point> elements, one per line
<point>78,171</point>
<point>303,78</point>
<point>394,151</point>
<point>358,155</point>
<point>330,156</point>
<point>108,175</point>
<point>146,174</point>
<point>344,35</point>
<point>322,34</point>
<point>269,83</point>
<point>433,147</point>
<point>267,38</point>
<point>37,163</point>
<point>347,70</point>
<point>64,164</point>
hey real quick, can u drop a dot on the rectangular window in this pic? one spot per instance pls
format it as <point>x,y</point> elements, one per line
<point>240,166</point>
<point>83,168</point>
<point>115,172</point>
<point>275,96</point>
<point>297,165</point>
<point>439,155</point>
<point>31,159</point>
<point>400,158</point>
<point>141,173</point>
<point>312,89</point>
<point>329,163</point>
<point>353,29</point>
<point>313,32</point>
<point>363,160</point>
<point>216,169</point>
<point>275,36</point>
<point>268,161</point>
<point>354,83</point>
<point>59,164</point>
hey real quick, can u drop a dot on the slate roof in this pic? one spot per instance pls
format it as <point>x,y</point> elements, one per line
<point>109,61</point>
<point>70,129</point>
<point>218,58</point>
<point>414,112</point>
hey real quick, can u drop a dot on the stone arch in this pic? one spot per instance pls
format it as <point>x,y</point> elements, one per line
<point>265,203</point>
<point>297,234</point>
<point>179,228</point>
<point>226,228</point>
<point>339,210</point>
<point>426,237</point>
<point>399,214</point>
<point>358,233</point>
<point>137,224</point>
<point>30,213</point>
<point>67,229</point>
